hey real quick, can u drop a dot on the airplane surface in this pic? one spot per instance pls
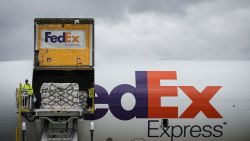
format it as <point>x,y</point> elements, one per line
<point>152,100</point>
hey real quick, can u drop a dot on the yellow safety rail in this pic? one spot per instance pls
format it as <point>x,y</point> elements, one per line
<point>20,109</point>
<point>92,96</point>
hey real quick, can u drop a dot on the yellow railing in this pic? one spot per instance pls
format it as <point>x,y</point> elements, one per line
<point>22,107</point>
<point>19,110</point>
<point>92,96</point>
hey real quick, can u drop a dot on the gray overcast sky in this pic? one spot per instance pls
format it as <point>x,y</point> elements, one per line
<point>137,29</point>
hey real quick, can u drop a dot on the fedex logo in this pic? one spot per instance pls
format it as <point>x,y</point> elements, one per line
<point>148,93</point>
<point>65,37</point>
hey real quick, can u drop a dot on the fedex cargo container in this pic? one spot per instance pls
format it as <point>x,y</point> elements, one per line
<point>64,55</point>
<point>64,42</point>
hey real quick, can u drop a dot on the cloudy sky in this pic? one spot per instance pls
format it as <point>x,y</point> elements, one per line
<point>137,29</point>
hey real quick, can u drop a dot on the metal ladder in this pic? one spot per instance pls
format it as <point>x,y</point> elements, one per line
<point>51,133</point>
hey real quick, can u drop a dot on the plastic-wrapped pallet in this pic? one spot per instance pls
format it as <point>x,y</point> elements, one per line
<point>60,96</point>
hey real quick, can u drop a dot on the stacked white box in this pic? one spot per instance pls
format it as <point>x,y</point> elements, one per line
<point>60,96</point>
